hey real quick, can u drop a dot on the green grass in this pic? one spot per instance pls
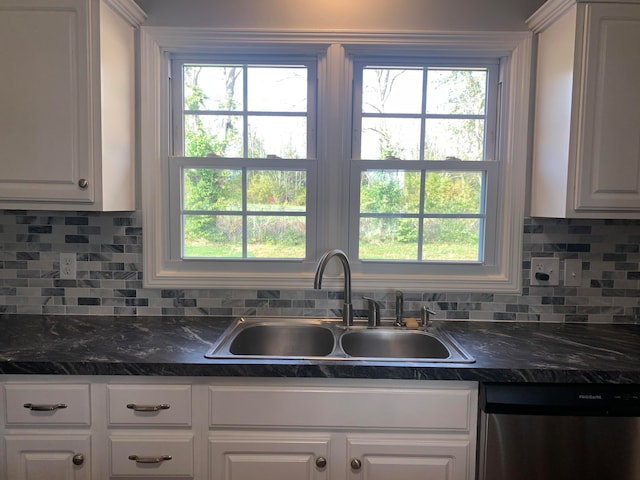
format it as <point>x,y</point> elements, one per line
<point>406,251</point>
<point>254,251</point>
<point>387,251</point>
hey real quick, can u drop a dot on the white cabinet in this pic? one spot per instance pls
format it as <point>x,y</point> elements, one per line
<point>294,430</point>
<point>150,433</point>
<point>415,457</point>
<point>140,428</point>
<point>268,455</point>
<point>48,456</point>
<point>586,145</point>
<point>67,118</point>
<point>46,433</point>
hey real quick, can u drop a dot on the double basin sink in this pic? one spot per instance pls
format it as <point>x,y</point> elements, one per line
<point>327,339</point>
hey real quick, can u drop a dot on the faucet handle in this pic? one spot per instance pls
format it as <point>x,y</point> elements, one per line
<point>374,311</point>
<point>425,313</point>
<point>399,309</point>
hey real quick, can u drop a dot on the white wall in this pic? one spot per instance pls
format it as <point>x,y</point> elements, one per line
<point>429,15</point>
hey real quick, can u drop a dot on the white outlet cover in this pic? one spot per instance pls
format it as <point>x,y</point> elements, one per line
<point>545,265</point>
<point>68,266</point>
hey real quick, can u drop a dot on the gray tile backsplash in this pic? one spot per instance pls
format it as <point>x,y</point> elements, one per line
<point>109,279</point>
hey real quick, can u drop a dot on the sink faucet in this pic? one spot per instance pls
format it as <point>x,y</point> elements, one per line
<point>347,309</point>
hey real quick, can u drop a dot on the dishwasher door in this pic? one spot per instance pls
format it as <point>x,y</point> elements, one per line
<point>563,432</point>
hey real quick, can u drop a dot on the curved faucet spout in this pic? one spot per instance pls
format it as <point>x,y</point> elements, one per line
<point>347,310</point>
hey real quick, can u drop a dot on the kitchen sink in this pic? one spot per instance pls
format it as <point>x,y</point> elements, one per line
<point>283,340</point>
<point>289,338</point>
<point>388,343</point>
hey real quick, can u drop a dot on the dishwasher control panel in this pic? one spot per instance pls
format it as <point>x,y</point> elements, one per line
<point>561,399</point>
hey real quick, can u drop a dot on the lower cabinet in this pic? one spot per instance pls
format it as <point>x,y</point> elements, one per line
<point>404,458</point>
<point>269,456</point>
<point>274,456</point>
<point>135,428</point>
<point>355,430</point>
<point>48,456</point>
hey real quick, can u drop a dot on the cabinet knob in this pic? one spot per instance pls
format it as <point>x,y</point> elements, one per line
<point>78,459</point>
<point>356,464</point>
<point>83,183</point>
<point>321,462</point>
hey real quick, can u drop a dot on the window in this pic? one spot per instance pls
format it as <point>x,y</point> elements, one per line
<point>408,155</point>
<point>244,134</point>
<point>424,141</point>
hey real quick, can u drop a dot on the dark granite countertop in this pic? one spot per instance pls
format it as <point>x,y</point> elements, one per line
<point>175,346</point>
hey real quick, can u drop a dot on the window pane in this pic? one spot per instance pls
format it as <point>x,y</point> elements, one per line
<point>392,90</point>
<point>277,89</point>
<point>219,135</point>
<point>212,189</point>
<point>389,191</point>
<point>285,137</point>
<point>390,137</point>
<point>451,239</point>
<point>212,236</point>
<point>453,192</point>
<point>276,190</point>
<point>461,92</point>
<point>276,237</point>
<point>213,87</point>
<point>388,239</point>
<point>462,139</point>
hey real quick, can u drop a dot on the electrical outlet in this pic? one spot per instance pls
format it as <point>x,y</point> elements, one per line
<point>545,271</point>
<point>68,267</point>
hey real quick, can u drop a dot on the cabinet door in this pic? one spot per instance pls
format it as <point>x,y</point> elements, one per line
<point>268,456</point>
<point>48,457</point>
<point>609,142</point>
<point>45,119</point>
<point>407,458</point>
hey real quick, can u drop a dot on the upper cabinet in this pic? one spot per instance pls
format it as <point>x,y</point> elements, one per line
<point>67,97</point>
<point>586,144</point>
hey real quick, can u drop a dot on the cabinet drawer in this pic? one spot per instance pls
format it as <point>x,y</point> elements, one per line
<point>443,409</point>
<point>149,405</point>
<point>47,404</point>
<point>152,456</point>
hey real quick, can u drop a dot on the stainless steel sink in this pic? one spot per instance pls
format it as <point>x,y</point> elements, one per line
<point>392,343</point>
<point>323,339</point>
<point>283,341</point>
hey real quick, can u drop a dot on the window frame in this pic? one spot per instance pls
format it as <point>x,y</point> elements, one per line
<point>336,54</point>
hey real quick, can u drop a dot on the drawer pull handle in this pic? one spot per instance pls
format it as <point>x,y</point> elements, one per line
<point>44,407</point>
<point>148,408</point>
<point>159,459</point>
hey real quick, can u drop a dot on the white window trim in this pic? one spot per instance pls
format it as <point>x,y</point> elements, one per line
<point>156,43</point>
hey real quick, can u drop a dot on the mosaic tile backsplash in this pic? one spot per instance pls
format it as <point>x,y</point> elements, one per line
<point>108,249</point>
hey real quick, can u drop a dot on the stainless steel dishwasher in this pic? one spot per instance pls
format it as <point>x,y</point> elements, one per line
<point>559,432</point>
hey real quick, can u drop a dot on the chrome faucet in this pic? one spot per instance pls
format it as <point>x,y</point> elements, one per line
<point>347,309</point>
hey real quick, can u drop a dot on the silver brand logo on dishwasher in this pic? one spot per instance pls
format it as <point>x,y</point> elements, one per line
<point>586,396</point>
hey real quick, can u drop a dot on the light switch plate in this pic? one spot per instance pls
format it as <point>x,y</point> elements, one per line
<point>545,266</point>
<point>572,272</point>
